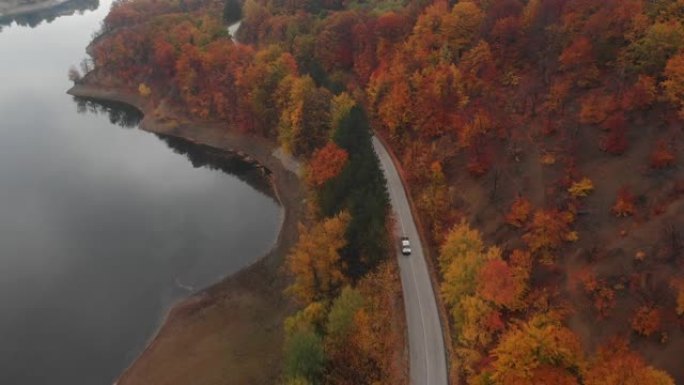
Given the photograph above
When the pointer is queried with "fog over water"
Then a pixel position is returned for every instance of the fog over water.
(102, 226)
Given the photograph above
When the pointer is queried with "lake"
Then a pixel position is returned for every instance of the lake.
(103, 226)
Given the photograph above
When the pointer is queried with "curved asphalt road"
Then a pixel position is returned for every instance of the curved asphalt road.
(427, 356)
(427, 365)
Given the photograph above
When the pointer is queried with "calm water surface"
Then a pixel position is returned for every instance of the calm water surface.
(102, 227)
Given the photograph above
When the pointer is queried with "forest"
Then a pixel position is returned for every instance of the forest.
(540, 140)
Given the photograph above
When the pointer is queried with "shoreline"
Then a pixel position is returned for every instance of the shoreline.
(19, 10)
(261, 279)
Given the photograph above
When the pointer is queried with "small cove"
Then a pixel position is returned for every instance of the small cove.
(103, 226)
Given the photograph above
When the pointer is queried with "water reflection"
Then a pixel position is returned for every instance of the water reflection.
(120, 114)
(200, 156)
(230, 163)
(35, 18)
(101, 228)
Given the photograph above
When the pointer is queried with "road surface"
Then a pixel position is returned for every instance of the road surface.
(427, 356)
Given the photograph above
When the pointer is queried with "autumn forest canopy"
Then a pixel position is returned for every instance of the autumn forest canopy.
(541, 141)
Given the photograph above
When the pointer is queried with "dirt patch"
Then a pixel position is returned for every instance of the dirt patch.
(232, 331)
(229, 334)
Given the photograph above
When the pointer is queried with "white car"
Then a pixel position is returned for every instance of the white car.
(405, 246)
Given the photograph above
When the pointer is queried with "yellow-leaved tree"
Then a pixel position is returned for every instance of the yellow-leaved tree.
(315, 260)
(478, 320)
(460, 278)
(461, 240)
(461, 259)
(340, 106)
(581, 188)
(541, 348)
(305, 115)
(144, 90)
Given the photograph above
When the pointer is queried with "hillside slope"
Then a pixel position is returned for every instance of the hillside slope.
(541, 140)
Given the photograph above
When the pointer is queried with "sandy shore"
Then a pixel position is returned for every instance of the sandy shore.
(232, 331)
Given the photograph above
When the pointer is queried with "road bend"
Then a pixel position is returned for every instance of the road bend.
(427, 356)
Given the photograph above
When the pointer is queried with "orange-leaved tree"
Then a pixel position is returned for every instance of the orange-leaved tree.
(641, 95)
(363, 340)
(662, 156)
(678, 285)
(519, 212)
(615, 141)
(646, 320)
(625, 203)
(326, 163)
(433, 202)
(596, 108)
(615, 364)
(499, 283)
(546, 232)
(674, 83)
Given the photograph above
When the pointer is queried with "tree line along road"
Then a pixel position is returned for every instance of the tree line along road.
(427, 355)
